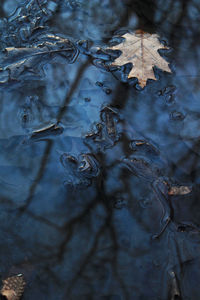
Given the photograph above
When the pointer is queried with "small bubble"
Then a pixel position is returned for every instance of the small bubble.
(120, 203)
(98, 83)
(108, 91)
(25, 118)
(144, 203)
(87, 99)
(169, 99)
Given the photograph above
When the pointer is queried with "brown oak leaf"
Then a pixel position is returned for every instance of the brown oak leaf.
(141, 49)
(13, 287)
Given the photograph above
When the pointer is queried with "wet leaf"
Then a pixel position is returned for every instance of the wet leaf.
(141, 49)
(13, 287)
(80, 170)
(53, 129)
(16, 62)
(179, 190)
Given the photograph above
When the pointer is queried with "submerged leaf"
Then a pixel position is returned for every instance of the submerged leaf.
(141, 49)
(17, 62)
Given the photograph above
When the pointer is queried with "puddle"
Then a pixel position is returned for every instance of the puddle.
(92, 166)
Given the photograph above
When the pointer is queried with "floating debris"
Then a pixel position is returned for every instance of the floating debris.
(105, 89)
(168, 93)
(177, 116)
(13, 287)
(167, 90)
(80, 170)
(88, 165)
(179, 190)
(175, 291)
(142, 168)
(24, 62)
(145, 202)
(108, 116)
(106, 134)
(53, 129)
(160, 188)
(144, 147)
(187, 227)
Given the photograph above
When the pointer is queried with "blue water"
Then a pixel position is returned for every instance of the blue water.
(87, 157)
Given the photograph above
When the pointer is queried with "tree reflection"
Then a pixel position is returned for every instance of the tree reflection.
(94, 240)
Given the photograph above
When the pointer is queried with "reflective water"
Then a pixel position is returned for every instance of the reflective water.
(89, 162)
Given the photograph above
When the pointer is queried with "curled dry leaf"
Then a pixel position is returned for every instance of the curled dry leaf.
(179, 190)
(13, 287)
(141, 49)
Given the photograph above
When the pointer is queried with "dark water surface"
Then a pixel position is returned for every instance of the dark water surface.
(89, 161)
